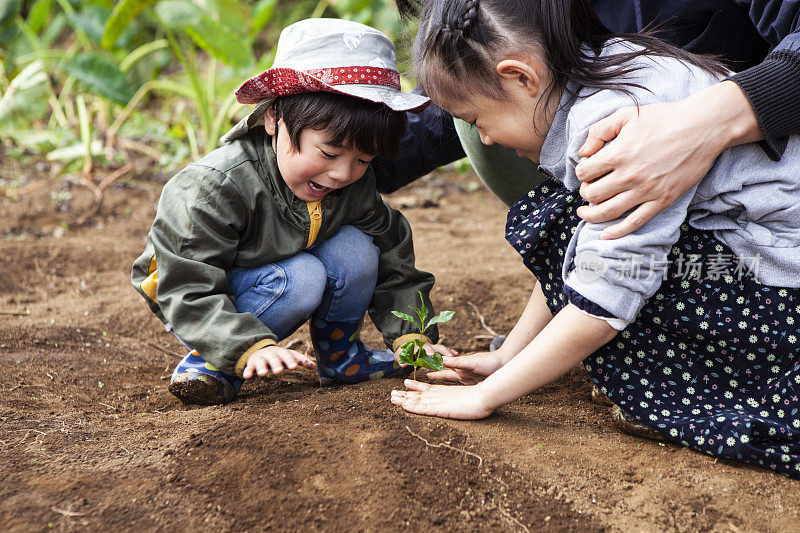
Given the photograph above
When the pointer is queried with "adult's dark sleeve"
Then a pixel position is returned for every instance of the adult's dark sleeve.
(773, 87)
(430, 142)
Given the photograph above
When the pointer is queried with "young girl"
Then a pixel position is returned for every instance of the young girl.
(690, 324)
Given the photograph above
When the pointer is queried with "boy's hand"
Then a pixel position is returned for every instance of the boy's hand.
(275, 359)
(430, 349)
(468, 369)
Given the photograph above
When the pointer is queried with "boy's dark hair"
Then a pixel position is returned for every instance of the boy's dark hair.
(370, 127)
(461, 40)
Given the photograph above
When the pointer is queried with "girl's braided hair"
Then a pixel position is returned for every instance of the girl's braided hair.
(460, 42)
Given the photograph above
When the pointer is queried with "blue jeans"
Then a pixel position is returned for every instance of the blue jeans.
(334, 280)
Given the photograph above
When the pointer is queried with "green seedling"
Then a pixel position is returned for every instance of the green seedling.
(412, 353)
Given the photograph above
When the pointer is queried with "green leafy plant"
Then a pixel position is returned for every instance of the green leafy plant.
(412, 353)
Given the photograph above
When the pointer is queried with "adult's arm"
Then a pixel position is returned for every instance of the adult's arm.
(430, 142)
(661, 151)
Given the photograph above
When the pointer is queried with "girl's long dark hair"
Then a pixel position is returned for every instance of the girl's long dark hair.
(464, 39)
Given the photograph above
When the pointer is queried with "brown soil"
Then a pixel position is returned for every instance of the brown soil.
(91, 438)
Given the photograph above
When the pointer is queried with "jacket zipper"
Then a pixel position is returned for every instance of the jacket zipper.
(315, 216)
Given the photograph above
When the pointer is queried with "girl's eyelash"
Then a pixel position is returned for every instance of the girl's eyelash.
(326, 154)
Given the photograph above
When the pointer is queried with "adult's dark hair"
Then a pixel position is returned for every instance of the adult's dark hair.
(460, 42)
(349, 121)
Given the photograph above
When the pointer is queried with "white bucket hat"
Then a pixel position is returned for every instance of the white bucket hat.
(327, 55)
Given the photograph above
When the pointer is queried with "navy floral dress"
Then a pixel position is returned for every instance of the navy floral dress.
(712, 361)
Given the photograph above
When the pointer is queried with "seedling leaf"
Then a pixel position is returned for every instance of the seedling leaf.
(407, 318)
(434, 361)
(444, 316)
(406, 356)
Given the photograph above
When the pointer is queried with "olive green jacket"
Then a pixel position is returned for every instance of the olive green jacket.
(232, 208)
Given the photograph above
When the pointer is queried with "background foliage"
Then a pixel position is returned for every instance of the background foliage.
(96, 82)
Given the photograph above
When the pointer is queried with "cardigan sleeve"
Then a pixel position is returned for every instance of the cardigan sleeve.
(772, 86)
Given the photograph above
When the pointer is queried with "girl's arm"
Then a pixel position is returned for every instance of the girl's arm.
(471, 369)
(567, 339)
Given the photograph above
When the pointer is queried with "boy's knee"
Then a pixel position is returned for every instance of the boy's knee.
(306, 283)
(356, 254)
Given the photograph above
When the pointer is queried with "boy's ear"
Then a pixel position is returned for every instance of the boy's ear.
(269, 121)
(522, 74)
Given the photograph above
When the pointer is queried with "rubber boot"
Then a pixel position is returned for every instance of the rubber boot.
(196, 382)
(342, 358)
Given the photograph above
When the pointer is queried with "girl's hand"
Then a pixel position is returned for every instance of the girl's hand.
(462, 403)
(277, 359)
(468, 369)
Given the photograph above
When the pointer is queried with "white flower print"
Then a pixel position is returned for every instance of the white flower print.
(703, 325)
(628, 360)
(792, 339)
(670, 353)
(765, 414)
(782, 293)
(653, 417)
(700, 440)
(680, 306)
(751, 356)
(695, 411)
(723, 297)
(744, 438)
(699, 311)
(764, 328)
(752, 402)
(775, 370)
(684, 285)
(686, 376)
(664, 412)
(746, 311)
(689, 390)
(643, 405)
(742, 324)
(728, 395)
(730, 441)
(781, 413)
(667, 371)
(673, 432)
(733, 383)
(686, 401)
(625, 376)
(643, 381)
(740, 300)
(648, 395)
(753, 338)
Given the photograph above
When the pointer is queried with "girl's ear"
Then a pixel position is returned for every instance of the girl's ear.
(520, 74)
(269, 121)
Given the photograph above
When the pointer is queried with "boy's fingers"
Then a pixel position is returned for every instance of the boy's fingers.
(261, 367)
(248, 371)
(275, 364)
(289, 358)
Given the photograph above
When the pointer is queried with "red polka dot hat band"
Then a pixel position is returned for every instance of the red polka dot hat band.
(284, 81)
(332, 55)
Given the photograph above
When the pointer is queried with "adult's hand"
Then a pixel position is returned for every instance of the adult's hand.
(648, 157)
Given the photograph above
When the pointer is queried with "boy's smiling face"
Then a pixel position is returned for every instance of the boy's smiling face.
(316, 167)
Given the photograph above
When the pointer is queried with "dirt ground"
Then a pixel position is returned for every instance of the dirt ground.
(90, 438)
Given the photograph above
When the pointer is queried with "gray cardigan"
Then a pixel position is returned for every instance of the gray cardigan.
(751, 203)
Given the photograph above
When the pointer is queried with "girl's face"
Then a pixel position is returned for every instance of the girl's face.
(317, 167)
(516, 121)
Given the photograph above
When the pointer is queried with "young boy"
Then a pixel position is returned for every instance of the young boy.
(284, 223)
